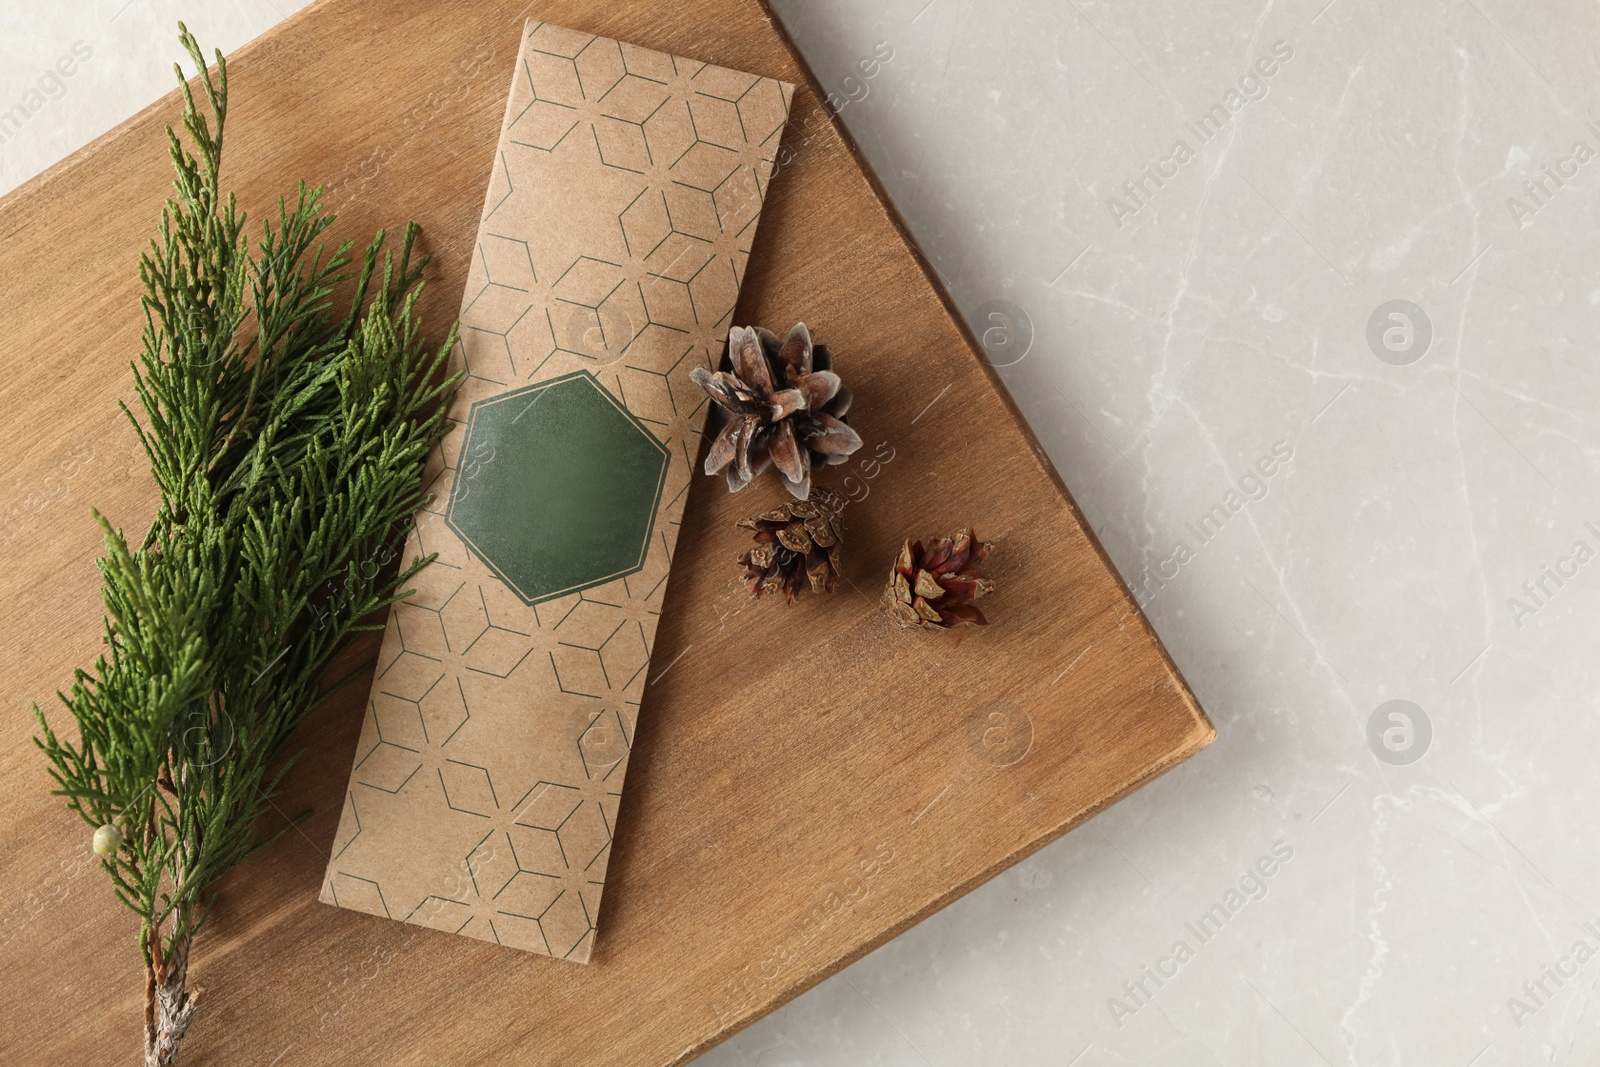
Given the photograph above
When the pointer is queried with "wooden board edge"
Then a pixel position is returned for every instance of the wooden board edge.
(1199, 738)
(975, 350)
(169, 102)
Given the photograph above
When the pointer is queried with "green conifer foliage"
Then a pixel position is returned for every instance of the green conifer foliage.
(288, 444)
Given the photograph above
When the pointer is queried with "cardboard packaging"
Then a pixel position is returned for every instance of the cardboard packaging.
(625, 194)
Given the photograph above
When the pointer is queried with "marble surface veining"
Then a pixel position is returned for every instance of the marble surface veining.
(1302, 298)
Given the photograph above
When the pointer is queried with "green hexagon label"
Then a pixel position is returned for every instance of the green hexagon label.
(557, 487)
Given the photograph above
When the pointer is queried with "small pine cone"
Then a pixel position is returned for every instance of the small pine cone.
(777, 403)
(934, 587)
(796, 543)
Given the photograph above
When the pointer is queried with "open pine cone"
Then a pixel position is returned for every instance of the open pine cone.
(934, 587)
(796, 543)
(779, 404)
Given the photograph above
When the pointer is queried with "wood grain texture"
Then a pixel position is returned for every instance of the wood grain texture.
(807, 782)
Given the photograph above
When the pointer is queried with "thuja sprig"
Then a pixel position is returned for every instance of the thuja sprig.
(288, 446)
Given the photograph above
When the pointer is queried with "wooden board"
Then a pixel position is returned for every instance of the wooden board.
(807, 782)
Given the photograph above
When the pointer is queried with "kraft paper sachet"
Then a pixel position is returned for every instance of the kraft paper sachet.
(625, 193)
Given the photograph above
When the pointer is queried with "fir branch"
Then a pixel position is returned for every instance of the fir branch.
(288, 448)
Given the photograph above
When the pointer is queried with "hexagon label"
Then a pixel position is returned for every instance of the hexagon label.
(557, 487)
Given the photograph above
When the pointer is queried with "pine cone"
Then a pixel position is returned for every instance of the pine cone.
(935, 587)
(777, 403)
(797, 542)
